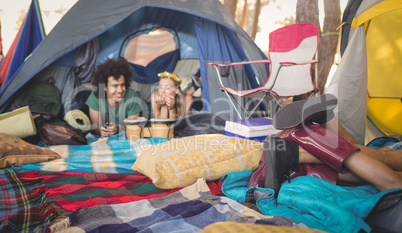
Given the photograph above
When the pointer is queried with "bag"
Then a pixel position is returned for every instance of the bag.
(42, 98)
(85, 61)
(61, 133)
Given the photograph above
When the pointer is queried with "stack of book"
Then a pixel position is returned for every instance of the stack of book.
(254, 129)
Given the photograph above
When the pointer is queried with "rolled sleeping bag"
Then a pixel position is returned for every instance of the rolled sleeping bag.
(78, 120)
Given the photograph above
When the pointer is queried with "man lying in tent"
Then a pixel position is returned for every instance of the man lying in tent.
(312, 135)
(112, 98)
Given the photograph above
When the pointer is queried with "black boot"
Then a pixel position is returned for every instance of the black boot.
(280, 157)
(314, 110)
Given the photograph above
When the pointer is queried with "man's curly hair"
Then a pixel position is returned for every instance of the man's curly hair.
(112, 67)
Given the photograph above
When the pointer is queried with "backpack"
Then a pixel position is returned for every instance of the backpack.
(42, 97)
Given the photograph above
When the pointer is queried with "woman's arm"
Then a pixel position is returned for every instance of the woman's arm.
(156, 105)
(188, 99)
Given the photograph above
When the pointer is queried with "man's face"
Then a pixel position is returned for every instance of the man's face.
(115, 89)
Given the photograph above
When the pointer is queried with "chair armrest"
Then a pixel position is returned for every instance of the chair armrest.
(299, 63)
(240, 63)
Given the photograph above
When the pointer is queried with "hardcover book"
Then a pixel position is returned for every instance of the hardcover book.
(248, 125)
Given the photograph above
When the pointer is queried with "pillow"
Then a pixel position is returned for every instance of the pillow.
(180, 162)
(14, 150)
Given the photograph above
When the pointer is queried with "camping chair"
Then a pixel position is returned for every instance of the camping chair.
(291, 50)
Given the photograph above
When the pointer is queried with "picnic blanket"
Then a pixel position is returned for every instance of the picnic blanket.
(114, 154)
(312, 201)
(74, 191)
(188, 210)
(23, 205)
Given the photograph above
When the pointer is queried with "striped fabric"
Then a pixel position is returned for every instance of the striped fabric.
(115, 154)
(23, 205)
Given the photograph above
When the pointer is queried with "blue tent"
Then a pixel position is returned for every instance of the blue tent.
(203, 29)
(30, 35)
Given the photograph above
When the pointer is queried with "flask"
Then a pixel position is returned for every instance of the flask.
(106, 120)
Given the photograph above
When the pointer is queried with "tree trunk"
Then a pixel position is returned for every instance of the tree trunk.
(244, 16)
(328, 41)
(255, 21)
(231, 6)
(307, 12)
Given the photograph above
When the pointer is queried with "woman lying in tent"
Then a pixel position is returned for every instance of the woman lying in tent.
(112, 98)
(170, 101)
(312, 135)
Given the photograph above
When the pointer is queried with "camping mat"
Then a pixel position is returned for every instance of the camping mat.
(114, 154)
(188, 210)
(23, 205)
(312, 201)
(74, 191)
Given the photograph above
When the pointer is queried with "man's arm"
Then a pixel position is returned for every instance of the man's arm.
(96, 121)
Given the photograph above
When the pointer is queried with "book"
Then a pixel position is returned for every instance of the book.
(256, 133)
(258, 139)
(249, 125)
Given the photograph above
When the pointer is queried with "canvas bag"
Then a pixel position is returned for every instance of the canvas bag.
(42, 98)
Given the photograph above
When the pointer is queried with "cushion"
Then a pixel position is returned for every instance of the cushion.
(180, 162)
(14, 150)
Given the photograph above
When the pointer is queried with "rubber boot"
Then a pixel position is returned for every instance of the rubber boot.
(322, 143)
(321, 171)
(317, 110)
(258, 177)
(280, 157)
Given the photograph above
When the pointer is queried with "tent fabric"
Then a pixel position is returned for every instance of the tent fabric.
(370, 68)
(205, 29)
(28, 37)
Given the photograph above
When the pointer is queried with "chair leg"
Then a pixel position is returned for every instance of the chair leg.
(257, 105)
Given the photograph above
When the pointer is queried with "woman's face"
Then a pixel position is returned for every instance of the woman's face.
(167, 87)
(115, 89)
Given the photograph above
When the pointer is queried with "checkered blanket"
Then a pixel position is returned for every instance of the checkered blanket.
(115, 154)
(188, 210)
(23, 206)
(73, 191)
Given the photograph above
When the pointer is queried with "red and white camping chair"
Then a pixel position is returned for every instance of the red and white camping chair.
(292, 50)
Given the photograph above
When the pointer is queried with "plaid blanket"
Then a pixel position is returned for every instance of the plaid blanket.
(115, 154)
(23, 206)
(74, 191)
(188, 210)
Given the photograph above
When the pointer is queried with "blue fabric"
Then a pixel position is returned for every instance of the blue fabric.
(395, 146)
(114, 154)
(322, 205)
(312, 201)
(382, 142)
(235, 185)
(32, 33)
(149, 73)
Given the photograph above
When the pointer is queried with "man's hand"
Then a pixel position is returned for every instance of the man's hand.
(109, 131)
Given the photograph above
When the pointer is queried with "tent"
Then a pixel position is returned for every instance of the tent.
(28, 37)
(367, 81)
(203, 31)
